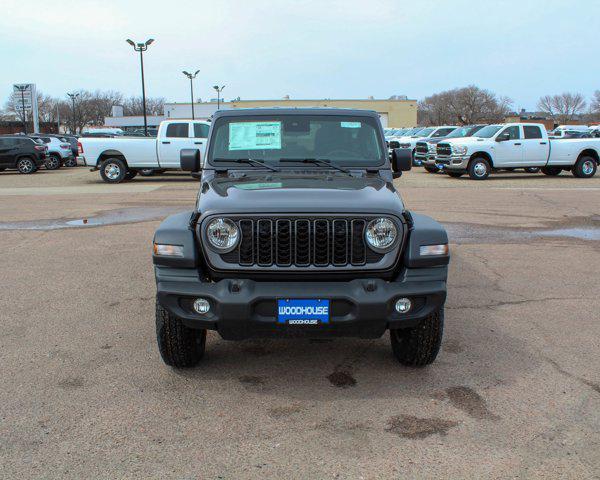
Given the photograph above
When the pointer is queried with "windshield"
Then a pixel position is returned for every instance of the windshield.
(424, 132)
(341, 139)
(488, 132)
(460, 132)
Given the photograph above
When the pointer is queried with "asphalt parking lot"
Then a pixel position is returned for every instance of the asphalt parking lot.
(515, 392)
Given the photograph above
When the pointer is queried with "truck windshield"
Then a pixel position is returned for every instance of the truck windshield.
(462, 132)
(488, 132)
(424, 132)
(342, 140)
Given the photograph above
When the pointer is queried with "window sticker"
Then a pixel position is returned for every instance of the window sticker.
(350, 124)
(258, 186)
(255, 136)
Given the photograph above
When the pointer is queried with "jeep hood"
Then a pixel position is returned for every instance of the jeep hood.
(294, 193)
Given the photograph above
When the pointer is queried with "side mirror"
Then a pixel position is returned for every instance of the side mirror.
(189, 158)
(401, 161)
(503, 137)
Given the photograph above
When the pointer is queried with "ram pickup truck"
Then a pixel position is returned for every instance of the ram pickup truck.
(120, 159)
(425, 149)
(423, 134)
(517, 145)
(299, 231)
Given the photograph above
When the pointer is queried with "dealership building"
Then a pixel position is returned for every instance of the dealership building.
(396, 111)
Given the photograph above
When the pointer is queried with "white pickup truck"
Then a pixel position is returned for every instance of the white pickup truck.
(517, 145)
(120, 159)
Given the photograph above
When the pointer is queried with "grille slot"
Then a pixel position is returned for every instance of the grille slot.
(422, 147)
(302, 242)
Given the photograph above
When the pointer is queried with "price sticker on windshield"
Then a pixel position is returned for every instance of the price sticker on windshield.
(350, 124)
(255, 136)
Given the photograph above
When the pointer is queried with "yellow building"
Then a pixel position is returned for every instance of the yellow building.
(393, 113)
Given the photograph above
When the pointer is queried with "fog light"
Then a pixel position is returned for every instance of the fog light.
(201, 306)
(403, 305)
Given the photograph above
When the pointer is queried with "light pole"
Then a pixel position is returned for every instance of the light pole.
(219, 90)
(142, 47)
(22, 88)
(73, 96)
(191, 77)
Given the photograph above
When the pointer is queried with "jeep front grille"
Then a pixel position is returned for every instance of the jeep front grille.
(302, 242)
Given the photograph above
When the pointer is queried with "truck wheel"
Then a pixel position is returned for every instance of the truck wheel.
(53, 162)
(71, 162)
(179, 346)
(585, 167)
(146, 172)
(113, 170)
(479, 168)
(26, 165)
(431, 169)
(419, 346)
(130, 175)
(532, 169)
(551, 171)
(455, 174)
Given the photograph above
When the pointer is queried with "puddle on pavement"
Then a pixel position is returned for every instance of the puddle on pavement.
(109, 217)
(580, 228)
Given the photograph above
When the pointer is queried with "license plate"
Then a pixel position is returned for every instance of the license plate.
(303, 311)
(440, 166)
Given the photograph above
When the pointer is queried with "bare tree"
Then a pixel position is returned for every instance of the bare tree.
(464, 106)
(563, 107)
(134, 106)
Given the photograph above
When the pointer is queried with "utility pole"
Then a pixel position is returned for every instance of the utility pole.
(142, 47)
(191, 77)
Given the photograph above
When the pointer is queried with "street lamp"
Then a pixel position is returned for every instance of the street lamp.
(219, 90)
(73, 96)
(191, 77)
(142, 47)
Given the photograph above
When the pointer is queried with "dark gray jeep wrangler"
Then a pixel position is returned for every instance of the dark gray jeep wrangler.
(298, 231)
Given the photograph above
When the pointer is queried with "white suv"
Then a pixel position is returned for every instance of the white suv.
(59, 152)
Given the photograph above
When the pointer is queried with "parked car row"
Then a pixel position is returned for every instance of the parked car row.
(27, 153)
(480, 150)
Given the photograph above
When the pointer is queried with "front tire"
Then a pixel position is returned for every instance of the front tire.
(53, 162)
(26, 166)
(419, 346)
(585, 167)
(71, 162)
(113, 170)
(179, 346)
(479, 168)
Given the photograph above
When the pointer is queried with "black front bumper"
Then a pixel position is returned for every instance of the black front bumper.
(243, 308)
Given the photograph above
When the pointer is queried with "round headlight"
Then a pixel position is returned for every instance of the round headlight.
(222, 234)
(381, 234)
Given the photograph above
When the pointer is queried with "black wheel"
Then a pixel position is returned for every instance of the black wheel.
(585, 167)
(113, 170)
(2, 169)
(71, 162)
(53, 162)
(26, 165)
(419, 346)
(455, 174)
(479, 168)
(532, 169)
(146, 172)
(551, 171)
(179, 346)
(430, 169)
(130, 175)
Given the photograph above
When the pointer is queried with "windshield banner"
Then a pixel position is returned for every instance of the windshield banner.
(255, 136)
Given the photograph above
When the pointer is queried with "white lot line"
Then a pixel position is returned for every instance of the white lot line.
(95, 189)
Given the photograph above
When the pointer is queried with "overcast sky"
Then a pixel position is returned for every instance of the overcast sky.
(306, 49)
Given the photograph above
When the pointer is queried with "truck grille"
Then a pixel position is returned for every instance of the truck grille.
(302, 242)
(444, 149)
(422, 148)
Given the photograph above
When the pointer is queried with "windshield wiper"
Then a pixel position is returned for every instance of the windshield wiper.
(249, 161)
(316, 161)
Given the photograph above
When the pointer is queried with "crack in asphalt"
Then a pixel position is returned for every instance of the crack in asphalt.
(593, 385)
